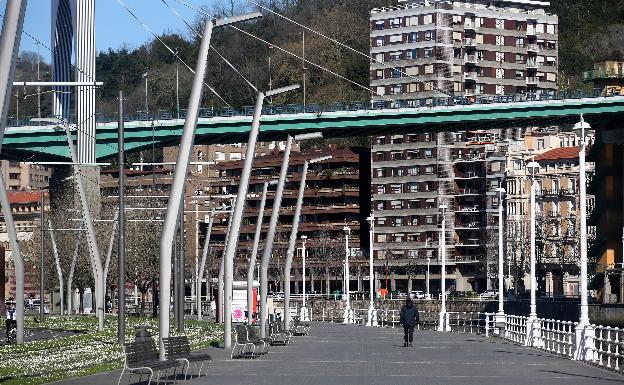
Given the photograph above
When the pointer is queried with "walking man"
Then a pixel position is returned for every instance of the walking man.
(409, 319)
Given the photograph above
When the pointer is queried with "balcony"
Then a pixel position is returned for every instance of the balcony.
(470, 42)
(533, 48)
(467, 191)
(532, 64)
(470, 77)
(531, 30)
(471, 92)
(602, 74)
(470, 25)
(471, 59)
(532, 81)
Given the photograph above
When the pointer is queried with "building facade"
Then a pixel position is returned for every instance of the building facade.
(425, 49)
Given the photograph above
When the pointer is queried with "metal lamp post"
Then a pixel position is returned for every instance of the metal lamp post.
(428, 293)
(144, 76)
(372, 312)
(499, 319)
(347, 310)
(533, 326)
(443, 324)
(303, 313)
(584, 330)
(293, 238)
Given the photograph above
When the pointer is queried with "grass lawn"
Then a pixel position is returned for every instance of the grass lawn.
(79, 355)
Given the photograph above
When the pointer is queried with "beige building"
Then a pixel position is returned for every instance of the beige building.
(557, 210)
(24, 176)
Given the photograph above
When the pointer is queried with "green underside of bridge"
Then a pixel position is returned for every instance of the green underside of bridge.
(50, 144)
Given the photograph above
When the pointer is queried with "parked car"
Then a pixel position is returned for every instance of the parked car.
(417, 294)
(489, 294)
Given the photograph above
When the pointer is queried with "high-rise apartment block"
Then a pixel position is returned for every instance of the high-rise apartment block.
(429, 49)
(425, 49)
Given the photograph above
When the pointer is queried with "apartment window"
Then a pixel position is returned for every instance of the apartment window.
(380, 41)
(413, 221)
(427, 53)
(395, 73)
(428, 153)
(411, 54)
(500, 89)
(551, 28)
(396, 189)
(379, 74)
(399, 172)
(517, 164)
(380, 206)
(236, 156)
(500, 73)
(500, 57)
(395, 39)
(380, 173)
(412, 20)
(500, 40)
(519, 42)
(457, 19)
(427, 137)
(500, 24)
(428, 19)
(412, 37)
(395, 56)
(519, 25)
(398, 238)
(429, 170)
(429, 186)
(396, 205)
(381, 189)
(379, 25)
(540, 144)
(520, 76)
(429, 69)
(411, 88)
(379, 58)
(428, 35)
(396, 89)
(519, 58)
(381, 238)
(395, 23)
(429, 219)
(398, 221)
(413, 170)
(13, 175)
(381, 221)
(219, 155)
(414, 187)
(381, 90)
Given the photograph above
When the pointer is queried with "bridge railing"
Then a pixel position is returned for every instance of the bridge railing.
(164, 115)
(608, 347)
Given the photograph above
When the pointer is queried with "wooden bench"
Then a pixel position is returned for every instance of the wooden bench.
(142, 356)
(179, 349)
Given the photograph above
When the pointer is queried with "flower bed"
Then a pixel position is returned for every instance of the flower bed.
(39, 362)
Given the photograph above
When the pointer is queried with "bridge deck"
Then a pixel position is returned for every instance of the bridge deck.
(347, 354)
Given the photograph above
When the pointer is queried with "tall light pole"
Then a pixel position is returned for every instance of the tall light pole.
(293, 238)
(500, 315)
(177, 83)
(443, 325)
(144, 76)
(347, 311)
(584, 330)
(304, 316)
(533, 326)
(372, 312)
(428, 294)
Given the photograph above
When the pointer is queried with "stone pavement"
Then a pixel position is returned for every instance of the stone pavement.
(349, 354)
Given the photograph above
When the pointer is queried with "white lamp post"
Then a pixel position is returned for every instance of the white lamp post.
(499, 319)
(428, 294)
(372, 312)
(443, 324)
(584, 330)
(303, 314)
(533, 335)
(347, 310)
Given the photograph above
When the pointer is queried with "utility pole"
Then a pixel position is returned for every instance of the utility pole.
(38, 87)
(180, 299)
(177, 83)
(304, 69)
(121, 279)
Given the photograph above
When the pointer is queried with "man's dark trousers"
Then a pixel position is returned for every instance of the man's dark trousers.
(408, 333)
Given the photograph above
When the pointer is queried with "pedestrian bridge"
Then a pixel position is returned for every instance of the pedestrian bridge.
(351, 354)
(48, 143)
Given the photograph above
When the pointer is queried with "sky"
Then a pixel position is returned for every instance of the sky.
(114, 27)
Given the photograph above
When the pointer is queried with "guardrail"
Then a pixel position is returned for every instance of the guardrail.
(166, 115)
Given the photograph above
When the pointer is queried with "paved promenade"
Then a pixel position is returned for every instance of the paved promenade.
(347, 354)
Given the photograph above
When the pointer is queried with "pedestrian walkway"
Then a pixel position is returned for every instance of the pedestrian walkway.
(349, 354)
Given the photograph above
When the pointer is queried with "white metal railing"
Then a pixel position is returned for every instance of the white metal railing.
(608, 347)
(515, 328)
(558, 336)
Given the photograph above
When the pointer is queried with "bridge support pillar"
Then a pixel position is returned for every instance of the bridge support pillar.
(372, 317)
(500, 322)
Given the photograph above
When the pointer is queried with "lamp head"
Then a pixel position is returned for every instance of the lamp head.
(500, 190)
(346, 229)
(443, 207)
(533, 167)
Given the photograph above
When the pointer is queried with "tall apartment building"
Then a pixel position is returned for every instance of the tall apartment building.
(462, 48)
(413, 175)
(332, 200)
(24, 176)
